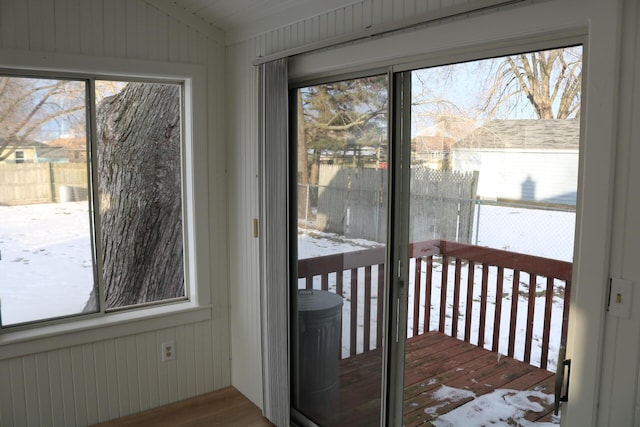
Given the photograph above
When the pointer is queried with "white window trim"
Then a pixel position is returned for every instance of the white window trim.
(81, 329)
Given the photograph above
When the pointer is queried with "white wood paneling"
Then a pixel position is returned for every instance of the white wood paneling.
(358, 20)
(242, 107)
(122, 373)
(95, 382)
(116, 28)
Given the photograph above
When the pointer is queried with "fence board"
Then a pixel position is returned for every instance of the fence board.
(515, 290)
(531, 304)
(27, 183)
(469, 305)
(353, 202)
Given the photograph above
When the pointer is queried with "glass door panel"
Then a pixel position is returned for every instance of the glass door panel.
(494, 168)
(337, 329)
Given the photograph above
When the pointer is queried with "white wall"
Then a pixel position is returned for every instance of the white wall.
(616, 387)
(98, 376)
(620, 397)
(242, 208)
(548, 176)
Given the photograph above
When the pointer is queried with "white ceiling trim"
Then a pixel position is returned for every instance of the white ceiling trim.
(278, 18)
(389, 27)
(170, 8)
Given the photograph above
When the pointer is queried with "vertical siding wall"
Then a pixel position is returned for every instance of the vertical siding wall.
(84, 384)
(242, 208)
(98, 381)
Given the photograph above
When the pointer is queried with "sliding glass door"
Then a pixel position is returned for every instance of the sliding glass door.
(337, 296)
(492, 180)
(433, 267)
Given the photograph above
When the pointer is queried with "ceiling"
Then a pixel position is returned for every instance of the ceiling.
(248, 17)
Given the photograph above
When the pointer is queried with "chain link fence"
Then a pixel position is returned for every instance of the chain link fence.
(531, 228)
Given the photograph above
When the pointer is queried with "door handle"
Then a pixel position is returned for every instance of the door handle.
(561, 384)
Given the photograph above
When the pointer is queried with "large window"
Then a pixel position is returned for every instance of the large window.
(91, 217)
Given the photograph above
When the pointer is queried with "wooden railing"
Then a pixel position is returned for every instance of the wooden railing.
(458, 296)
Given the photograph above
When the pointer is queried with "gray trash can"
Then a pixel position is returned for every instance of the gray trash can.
(65, 194)
(319, 338)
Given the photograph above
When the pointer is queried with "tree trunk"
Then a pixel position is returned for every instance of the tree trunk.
(139, 173)
(303, 167)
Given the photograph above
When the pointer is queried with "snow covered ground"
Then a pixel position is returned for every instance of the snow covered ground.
(45, 272)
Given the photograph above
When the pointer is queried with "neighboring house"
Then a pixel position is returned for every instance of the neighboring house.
(75, 148)
(537, 159)
(431, 151)
(29, 151)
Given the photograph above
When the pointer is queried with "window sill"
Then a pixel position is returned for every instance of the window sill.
(92, 329)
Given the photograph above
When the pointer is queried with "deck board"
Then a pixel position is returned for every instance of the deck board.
(432, 360)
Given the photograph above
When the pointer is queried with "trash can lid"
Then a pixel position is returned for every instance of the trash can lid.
(314, 300)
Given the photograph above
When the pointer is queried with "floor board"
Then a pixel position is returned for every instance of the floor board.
(223, 408)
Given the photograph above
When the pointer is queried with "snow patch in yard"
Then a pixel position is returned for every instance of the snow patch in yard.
(45, 271)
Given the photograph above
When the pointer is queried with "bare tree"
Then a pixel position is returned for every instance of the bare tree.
(550, 81)
(29, 105)
(451, 100)
(26, 104)
(433, 109)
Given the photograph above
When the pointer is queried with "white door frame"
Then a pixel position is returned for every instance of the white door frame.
(535, 26)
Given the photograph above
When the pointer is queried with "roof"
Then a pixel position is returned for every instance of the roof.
(15, 143)
(69, 143)
(530, 134)
(43, 150)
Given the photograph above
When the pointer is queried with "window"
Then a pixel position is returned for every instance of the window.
(19, 156)
(94, 223)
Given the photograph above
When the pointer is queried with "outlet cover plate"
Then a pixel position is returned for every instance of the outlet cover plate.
(168, 351)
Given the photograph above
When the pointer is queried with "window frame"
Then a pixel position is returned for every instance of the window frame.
(196, 306)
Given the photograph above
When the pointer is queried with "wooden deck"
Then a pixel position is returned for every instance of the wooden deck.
(433, 360)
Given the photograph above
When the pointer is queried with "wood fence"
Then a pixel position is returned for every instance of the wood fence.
(28, 183)
(352, 202)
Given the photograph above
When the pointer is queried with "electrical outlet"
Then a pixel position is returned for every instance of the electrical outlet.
(168, 350)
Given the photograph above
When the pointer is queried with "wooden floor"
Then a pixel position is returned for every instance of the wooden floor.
(432, 360)
(223, 408)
